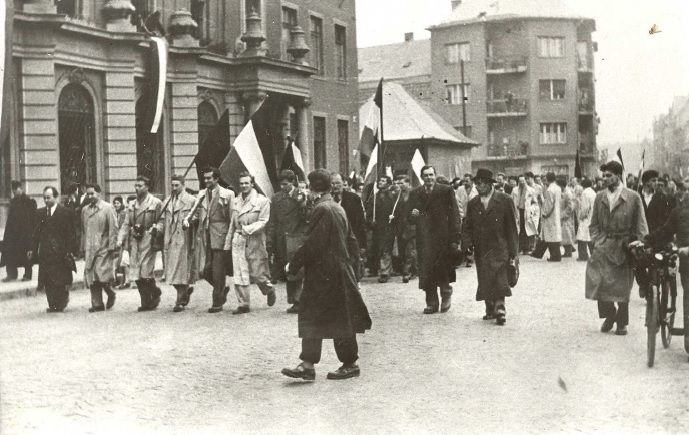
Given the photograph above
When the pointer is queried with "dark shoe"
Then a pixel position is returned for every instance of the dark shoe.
(215, 310)
(271, 297)
(96, 309)
(294, 309)
(500, 316)
(489, 317)
(300, 372)
(607, 324)
(187, 298)
(430, 310)
(111, 299)
(345, 372)
(383, 279)
(124, 286)
(241, 310)
(621, 330)
(554, 261)
(405, 278)
(142, 309)
(446, 304)
(50, 310)
(178, 309)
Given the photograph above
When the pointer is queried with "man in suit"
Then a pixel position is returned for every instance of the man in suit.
(490, 232)
(286, 229)
(434, 210)
(18, 231)
(177, 245)
(354, 209)
(54, 245)
(138, 229)
(99, 245)
(213, 209)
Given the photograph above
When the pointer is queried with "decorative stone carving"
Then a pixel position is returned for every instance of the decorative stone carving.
(253, 37)
(182, 29)
(118, 14)
(297, 47)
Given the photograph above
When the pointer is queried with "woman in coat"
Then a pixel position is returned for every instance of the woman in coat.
(250, 214)
(331, 306)
(584, 211)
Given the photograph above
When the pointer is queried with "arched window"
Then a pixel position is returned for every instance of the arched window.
(207, 118)
(150, 151)
(76, 126)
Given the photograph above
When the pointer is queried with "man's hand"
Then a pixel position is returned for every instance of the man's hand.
(415, 213)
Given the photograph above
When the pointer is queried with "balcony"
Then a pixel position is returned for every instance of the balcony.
(585, 64)
(586, 105)
(506, 65)
(507, 151)
(507, 107)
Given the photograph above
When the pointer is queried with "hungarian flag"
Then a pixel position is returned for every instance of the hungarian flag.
(417, 163)
(577, 166)
(252, 151)
(215, 148)
(292, 160)
(158, 78)
(369, 134)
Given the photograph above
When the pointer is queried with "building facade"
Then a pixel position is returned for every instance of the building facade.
(669, 151)
(517, 77)
(82, 82)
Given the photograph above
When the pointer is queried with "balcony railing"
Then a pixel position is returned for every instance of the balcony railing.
(508, 151)
(505, 64)
(584, 63)
(507, 107)
(586, 105)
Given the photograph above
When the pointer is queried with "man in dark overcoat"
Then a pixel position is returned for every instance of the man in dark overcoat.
(490, 232)
(18, 232)
(435, 212)
(354, 209)
(331, 305)
(54, 245)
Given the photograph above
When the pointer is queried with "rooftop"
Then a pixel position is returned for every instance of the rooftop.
(406, 119)
(496, 10)
(395, 61)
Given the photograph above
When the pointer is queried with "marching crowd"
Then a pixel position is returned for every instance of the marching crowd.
(321, 238)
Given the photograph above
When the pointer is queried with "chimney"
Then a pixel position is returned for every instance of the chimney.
(409, 36)
(455, 4)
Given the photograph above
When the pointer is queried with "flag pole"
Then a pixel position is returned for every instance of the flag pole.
(381, 152)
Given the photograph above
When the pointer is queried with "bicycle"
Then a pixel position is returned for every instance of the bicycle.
(658, 270)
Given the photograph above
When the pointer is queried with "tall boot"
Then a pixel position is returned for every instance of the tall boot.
(144, 293)
(568, 251)
(154, 294)
(96, 298)
(111, 296)
(432, 302)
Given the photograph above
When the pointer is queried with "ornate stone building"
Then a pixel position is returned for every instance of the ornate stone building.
(82, 74)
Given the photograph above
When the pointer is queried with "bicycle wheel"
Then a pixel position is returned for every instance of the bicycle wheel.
(667, 312)
(652, 324)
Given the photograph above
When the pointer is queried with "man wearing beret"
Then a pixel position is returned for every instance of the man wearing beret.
(617, 220)
(490, 231)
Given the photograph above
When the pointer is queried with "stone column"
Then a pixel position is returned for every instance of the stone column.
(304, 139)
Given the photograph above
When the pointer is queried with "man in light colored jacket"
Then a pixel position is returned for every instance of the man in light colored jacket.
(584, 211)
(551, 229)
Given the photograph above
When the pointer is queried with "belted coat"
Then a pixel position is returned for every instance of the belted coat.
(176, 241)
(551, 228)
(249, 255)
(142, 257)
(584, 212)
(609, 271)
(567, 205)
(210, 224)
(99, 242)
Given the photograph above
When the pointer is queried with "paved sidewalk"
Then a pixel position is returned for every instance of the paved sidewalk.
(23, 289)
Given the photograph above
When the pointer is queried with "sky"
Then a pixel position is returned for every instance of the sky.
(637, 74)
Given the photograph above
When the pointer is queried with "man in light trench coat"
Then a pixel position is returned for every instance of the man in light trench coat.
(250, 214)
(99, 245)
(551, 228)
(177, 242)
(617, 220)
(138, 229)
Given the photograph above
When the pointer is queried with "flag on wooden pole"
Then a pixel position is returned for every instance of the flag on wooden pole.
(292, 160)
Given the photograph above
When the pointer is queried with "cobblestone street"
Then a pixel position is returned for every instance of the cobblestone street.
(193, 372)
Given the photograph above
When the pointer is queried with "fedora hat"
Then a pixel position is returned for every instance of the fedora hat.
(484, 174)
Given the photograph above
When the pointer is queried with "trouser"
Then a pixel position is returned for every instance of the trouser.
(432, 299)
(585, 249)
(97, 289)
(13, 273)
(149, 292)
(347, 350)
(407, 251)
(294, 289)
(243, 292)
(552, 247)
(383, 241)
(182, 294)
(215, 260)
(606, 310)
(524, 242)
(57, 295)
(568, 250)
(493, 305)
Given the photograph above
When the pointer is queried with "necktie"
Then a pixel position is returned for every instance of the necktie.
(337, 198)
(48, 211)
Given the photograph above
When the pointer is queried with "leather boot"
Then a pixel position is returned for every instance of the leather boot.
(144, 293)
(111, 297)
(154, 294)
(96, 298)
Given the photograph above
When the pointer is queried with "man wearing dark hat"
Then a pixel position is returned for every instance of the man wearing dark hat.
(434, 210)
(617, 220)
(490, 232)
(18, 232)
(331, 306)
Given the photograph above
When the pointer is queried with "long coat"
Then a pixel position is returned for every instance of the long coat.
(551, 229)
(609, 271)
(584, 213)
(53, 242)
(249, 255)
(531, 209)
(99, 242)
(657, 210)
(142, 257)
(567, 216)
(287, 223)
(330, 305)
(436, 228)
(493, 235)
(18, 231)
(177, 241)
